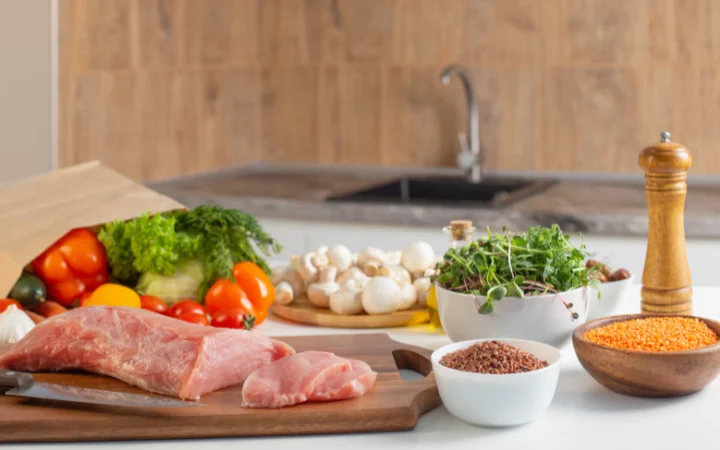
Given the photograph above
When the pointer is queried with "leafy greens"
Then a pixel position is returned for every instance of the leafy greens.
(539, 261)
(160, 243)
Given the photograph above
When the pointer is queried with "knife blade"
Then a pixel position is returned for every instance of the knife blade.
(23, 384)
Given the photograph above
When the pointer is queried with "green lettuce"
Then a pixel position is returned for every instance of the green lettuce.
(158, 244)
(182, 284)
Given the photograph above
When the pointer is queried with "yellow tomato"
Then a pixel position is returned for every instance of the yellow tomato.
(114, 295)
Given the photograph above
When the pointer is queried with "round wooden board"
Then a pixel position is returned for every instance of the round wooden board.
(302, 311)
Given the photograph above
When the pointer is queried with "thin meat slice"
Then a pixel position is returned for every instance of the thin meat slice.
(291, 380)
(352, 383)
(154, 352)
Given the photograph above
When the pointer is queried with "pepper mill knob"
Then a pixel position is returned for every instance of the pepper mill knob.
(666, 282)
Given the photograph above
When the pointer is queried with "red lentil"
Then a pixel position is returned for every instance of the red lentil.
(654, 334)
(492, 357)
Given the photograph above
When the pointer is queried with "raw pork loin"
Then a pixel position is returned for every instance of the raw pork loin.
(346, 385)
(312, 375)
(157, 353)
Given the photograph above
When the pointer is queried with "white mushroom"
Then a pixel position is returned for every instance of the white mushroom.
(279, 273)
(284, 294)
(353, 273)
(409, 296)
(381, 295)
(289, 275)
(306, 268)
(394, 258)
(418, 257)
(347, 301)
(397, 273)
(319, 293)
(422, 285)
(371, 260)
(320, 257)
(339, 256)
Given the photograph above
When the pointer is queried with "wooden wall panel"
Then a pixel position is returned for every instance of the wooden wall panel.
(162, 88)
(505, 32)
(158, 38)
(289, 114)
(591, 33)
(349, 115)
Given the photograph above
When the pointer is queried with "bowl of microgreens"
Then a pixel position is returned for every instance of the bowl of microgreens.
(532, 285)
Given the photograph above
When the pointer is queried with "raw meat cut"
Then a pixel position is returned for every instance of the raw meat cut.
(154, 352)
(291, 380)
(352, 383)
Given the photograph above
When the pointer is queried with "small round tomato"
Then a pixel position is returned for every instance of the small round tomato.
(256, 284)
(152, 303)
(225, 294)
(186, 306)
(5, 302)
(200, 319)
(233, 318)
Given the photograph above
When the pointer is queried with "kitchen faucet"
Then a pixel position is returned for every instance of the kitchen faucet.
(470, 158)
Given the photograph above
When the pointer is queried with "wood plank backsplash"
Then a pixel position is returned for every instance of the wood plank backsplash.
(162, 88)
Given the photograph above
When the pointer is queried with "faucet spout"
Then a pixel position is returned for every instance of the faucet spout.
(470, 158)
(473, 117)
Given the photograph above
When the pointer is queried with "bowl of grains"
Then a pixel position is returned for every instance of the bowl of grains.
(496, 382)
(650, 355)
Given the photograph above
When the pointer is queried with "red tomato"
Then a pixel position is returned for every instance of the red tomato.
(200, 319)
(152, 303)
(5, 302)
(233, 318)
(256, 284)
(224, 294)
(186, 306)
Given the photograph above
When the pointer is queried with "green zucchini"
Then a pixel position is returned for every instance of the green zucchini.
(29, 291)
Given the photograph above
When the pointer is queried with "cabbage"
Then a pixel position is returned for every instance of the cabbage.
(181, 285)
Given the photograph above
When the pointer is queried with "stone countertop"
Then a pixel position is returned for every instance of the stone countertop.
(593, 206)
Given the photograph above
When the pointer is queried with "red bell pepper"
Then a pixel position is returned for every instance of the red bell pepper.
(74, 265)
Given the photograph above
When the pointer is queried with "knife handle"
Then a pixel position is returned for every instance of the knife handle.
(13, 378)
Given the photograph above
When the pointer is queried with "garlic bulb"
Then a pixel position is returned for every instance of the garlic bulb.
(14, 325)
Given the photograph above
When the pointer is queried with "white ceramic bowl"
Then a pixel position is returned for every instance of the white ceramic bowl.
(612, 295)
(502, 400)
(542, 318)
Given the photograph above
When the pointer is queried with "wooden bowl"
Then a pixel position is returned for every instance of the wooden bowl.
(647, 374)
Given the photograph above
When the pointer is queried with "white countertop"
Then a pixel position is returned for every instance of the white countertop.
(583, 414)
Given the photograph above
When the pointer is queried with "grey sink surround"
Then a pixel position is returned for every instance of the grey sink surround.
(612, 205)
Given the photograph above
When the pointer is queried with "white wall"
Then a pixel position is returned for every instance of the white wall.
(625, 252)
(26, 104)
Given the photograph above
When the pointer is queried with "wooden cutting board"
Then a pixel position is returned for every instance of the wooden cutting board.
(392, 405)
(302, 311)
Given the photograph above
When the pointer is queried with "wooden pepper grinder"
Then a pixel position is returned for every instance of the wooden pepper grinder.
(667, 287)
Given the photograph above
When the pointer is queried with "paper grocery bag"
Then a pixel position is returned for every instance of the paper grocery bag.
(36, 212)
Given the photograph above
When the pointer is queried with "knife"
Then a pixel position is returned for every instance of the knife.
(23, 384)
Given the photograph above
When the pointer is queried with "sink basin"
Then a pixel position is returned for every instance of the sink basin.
(491, 192)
